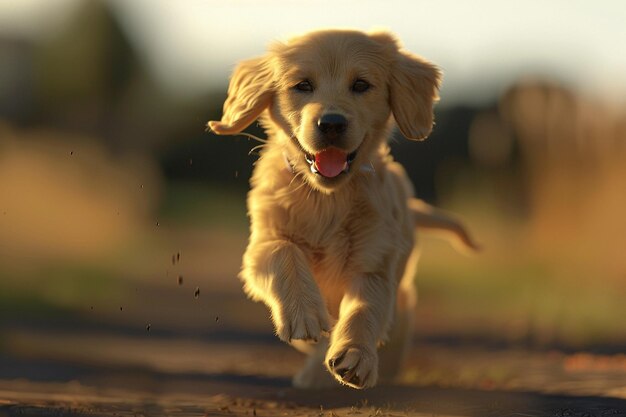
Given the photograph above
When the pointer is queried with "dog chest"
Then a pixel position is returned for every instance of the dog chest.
(342, 240)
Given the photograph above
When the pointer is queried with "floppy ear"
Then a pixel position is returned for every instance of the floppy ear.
(414, 88)
(249, 93)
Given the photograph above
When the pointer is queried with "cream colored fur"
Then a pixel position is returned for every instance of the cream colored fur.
(334, 259)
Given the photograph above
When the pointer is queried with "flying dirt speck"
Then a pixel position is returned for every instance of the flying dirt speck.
(148, 327)
(196, 293)
(180, 280)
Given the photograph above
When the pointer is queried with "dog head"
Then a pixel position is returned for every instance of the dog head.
(332, 93)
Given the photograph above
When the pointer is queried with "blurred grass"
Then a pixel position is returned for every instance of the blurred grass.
(58, 289)
(18, 302)
(520, 302)
(509, 293)
(517, 289)
(89, 217)
(204, 205)
(207, 223)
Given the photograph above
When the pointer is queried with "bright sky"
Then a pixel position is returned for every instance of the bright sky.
(481, 45)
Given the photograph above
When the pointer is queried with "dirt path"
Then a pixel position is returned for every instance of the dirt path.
(112, 373)
(216, 355)
(261, 400)
(267, 397)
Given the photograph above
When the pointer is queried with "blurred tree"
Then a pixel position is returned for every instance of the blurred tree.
(83, 71)
(448, 141)
(16, 75)
(89, 78)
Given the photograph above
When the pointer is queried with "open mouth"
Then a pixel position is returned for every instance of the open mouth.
(330, 162)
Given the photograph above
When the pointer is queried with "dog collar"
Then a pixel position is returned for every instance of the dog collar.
(288, 163)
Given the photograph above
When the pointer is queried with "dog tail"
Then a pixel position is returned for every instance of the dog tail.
(431, 218)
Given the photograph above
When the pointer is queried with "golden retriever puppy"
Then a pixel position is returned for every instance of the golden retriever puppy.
(332, 248)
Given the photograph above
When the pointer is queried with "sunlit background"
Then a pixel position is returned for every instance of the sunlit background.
(119, 213)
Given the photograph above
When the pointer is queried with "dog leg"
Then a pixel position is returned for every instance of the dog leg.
(365, 315)
(277, 273)
(313, 374)
(394, 352)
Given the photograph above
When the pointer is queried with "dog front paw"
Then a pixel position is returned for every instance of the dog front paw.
(355, 366)
(304, 320)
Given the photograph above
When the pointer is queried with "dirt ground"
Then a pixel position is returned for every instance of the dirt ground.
(139, 359)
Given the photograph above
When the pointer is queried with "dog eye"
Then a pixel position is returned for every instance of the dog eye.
(360, 86)
(304, 86)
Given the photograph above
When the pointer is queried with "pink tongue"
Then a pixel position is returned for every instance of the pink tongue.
(330, 162)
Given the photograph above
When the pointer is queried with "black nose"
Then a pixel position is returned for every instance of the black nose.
(332, 124)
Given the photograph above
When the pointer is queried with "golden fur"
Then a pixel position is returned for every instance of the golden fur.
(334, 258)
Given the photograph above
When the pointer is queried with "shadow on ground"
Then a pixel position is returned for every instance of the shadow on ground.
(219, 357)
(109, 373)
(229, 394)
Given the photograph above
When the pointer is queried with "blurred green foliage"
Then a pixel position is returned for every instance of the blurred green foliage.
(90, 80)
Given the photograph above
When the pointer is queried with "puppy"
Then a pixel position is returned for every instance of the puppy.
(332, 244)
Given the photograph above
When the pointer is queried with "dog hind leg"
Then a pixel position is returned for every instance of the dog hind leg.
(393, 353)
(313, 374)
